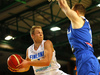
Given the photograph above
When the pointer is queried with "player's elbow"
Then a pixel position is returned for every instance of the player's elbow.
(47, 63)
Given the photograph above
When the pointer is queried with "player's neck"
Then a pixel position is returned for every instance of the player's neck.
(36, 45)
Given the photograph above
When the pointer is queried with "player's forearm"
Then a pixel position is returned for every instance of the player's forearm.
(39, 63)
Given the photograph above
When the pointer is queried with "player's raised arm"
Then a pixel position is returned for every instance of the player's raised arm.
(72, 14)
(66, 9)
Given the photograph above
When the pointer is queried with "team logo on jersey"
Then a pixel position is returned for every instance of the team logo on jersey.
(38, 55)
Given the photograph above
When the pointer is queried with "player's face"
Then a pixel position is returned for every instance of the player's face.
(38, 35)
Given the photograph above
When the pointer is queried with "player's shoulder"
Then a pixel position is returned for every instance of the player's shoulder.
(30, 46)
(48, 41)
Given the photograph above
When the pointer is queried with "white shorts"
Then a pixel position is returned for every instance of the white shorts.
(53, 72)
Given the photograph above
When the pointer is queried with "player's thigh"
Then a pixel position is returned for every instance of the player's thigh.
(90, 67)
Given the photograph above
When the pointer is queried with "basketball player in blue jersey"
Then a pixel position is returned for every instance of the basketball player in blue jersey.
(40, 55)
(80, 38)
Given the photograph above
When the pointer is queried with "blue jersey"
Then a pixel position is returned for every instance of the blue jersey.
(80, 39)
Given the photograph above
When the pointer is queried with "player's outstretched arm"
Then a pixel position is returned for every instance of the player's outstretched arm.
(72, 15)
(63, 5)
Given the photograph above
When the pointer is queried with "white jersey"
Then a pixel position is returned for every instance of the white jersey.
(38, 55)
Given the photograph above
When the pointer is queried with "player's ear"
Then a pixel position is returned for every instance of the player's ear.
(77, 12)
(32, 36)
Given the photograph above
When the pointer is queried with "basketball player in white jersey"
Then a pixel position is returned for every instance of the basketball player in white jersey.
(40, 55)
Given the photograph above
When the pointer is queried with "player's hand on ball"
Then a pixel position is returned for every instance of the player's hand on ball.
(24, 64)
(12, 70)
(13, 61)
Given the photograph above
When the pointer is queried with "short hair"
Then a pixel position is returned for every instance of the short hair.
(33, 29)
(80, 8)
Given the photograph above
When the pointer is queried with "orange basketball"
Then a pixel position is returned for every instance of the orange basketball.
(13, 61)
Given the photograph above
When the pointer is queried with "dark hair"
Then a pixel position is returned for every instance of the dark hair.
(80, 8)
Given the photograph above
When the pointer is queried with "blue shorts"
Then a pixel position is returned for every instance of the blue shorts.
(87, 63)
